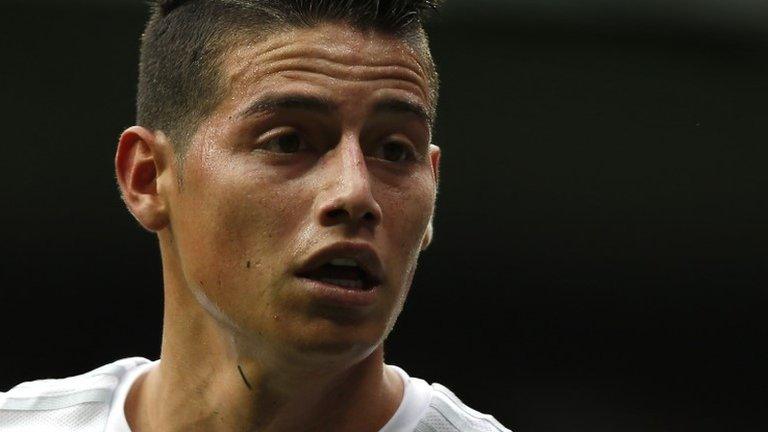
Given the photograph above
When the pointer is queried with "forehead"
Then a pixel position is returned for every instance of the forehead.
(330, 56)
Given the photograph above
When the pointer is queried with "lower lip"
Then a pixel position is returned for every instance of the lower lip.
(340, 295)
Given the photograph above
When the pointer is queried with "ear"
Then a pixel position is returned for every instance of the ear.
(427, 239)
(434, 158)
(142, 157)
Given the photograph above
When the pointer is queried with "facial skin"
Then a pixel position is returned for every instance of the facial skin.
(318, 142)
(273, 187)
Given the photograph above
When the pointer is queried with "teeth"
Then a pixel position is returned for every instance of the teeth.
(346, 283)
(346, 262)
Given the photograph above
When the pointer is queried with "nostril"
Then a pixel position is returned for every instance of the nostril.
(336, 213)
(341, 215)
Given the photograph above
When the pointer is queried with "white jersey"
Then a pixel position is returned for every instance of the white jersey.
(94, 402)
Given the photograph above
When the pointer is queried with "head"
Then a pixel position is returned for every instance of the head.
(185, 42)
(275, 139)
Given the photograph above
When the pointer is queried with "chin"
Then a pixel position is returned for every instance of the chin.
(329, 342)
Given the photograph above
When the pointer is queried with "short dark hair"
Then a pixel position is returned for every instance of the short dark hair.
(184, 41)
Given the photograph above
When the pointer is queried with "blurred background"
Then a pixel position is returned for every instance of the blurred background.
(600, 261)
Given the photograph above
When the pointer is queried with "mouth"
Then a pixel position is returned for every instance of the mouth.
(341, 272)
(348, 266)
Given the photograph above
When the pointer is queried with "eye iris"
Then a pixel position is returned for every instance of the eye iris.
(289, 143)
(393, 152)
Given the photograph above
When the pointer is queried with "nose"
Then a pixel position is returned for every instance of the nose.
(347, 198)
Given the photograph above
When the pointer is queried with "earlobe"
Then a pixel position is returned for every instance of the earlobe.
(140, 161)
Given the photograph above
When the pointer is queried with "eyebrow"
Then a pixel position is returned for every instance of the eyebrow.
(400, 106)
(271, 103)
(289, 102)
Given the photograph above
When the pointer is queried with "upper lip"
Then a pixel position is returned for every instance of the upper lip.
(364, 254)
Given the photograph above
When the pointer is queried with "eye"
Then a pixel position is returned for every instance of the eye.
(394, 151)
(290, 142)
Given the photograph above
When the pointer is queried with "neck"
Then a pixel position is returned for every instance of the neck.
(207, 381)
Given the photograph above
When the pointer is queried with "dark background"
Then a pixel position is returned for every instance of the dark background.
(600, 256)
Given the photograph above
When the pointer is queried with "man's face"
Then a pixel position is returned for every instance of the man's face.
(318, 158)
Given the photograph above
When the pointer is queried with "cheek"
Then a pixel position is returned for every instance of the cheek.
(407, 212)
(233, 236)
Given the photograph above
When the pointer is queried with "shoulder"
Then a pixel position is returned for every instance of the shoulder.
(433, 408)
(447, 413)
(75, 403)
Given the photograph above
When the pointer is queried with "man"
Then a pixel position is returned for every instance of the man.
(283, 157)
